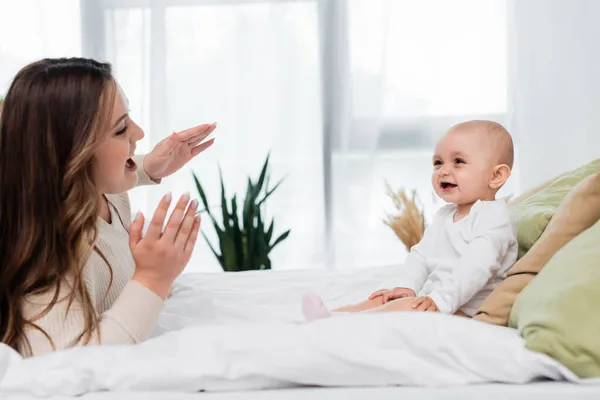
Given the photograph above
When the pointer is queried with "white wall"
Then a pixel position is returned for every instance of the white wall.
(555, 85)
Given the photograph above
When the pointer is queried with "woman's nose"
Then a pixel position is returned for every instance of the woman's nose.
(138, 134)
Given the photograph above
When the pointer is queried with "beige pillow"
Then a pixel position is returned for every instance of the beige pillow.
(576, 213)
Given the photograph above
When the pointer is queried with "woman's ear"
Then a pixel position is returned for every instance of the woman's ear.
(499, 176)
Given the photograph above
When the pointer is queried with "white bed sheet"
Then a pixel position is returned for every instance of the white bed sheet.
(227, 332)
(530, 391)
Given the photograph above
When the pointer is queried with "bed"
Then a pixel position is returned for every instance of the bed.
(530, 391)
(241, 336)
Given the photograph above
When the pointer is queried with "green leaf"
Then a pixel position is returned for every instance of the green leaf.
(262, 247)
(267, 182)
(205, 201)
(217, 255)
(249, 203)
(200, 191)
(228, 252)
(281, 238)
(244, 240)
(270, 231)
(267, 264)
(237, 233)
(224, 211)
(251, 246)
(263, 174)
(269, 192)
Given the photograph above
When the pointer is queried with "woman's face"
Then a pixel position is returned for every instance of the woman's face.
(114, 170)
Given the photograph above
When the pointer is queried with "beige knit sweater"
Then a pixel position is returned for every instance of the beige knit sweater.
(127, 310)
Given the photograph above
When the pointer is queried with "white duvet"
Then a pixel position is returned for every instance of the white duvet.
(243, 331)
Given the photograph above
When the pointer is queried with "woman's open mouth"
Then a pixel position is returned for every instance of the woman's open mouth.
(130, 165)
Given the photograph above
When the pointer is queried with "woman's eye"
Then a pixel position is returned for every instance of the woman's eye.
(122, 131)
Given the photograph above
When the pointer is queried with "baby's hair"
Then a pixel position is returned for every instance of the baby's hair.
(501, 139)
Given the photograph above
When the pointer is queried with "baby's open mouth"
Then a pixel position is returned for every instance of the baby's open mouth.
(448, 185)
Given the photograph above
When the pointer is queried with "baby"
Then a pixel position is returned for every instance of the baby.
(469, 246)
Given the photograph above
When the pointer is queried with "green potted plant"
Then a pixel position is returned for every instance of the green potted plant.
(245, 241)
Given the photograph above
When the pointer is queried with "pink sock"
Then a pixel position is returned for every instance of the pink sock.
(313, 307)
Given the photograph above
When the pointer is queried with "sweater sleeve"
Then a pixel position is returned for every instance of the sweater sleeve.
(416, 268)
(130, 320)
(492, 236)
(143, 178)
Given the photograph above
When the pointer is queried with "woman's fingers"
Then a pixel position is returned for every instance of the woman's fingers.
(175, 219)
(185, 228)
(158, 219)
(199, 132)
(199, 149)
(191, 242)
(135, 230)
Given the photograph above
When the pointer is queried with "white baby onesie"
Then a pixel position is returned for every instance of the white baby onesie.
(458, 264)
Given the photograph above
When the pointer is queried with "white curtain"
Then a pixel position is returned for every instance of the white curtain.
(345, 94)
(555, 85)
(32, 29)
(416, 68)
(252, 67)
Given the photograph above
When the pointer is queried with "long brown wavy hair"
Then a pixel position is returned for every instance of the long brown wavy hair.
(55, 114)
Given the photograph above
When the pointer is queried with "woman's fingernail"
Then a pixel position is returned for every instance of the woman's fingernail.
(194, 203)
(186, 196)
(168, 196)
(138, 216)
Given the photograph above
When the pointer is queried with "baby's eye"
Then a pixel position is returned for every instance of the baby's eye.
(437, 163)
(459, 161)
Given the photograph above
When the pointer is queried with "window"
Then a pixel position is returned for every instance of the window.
(344, 94)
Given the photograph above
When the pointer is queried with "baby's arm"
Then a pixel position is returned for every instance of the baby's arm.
(492, 237)
(416, 269)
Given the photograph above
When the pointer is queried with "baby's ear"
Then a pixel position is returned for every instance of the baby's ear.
(499, 176)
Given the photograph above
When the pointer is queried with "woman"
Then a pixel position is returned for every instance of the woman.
(74, 269)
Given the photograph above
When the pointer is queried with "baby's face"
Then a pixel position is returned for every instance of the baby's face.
(462, 167)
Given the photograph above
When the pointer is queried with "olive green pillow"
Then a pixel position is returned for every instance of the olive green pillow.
(532, 214)
(579, 210)
(557, 313)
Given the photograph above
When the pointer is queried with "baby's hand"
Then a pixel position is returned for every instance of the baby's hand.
(424, 303)
(393, 294)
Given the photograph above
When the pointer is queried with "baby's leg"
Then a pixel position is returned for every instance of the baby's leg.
(314, 308)
(363, 306)
(402, 304)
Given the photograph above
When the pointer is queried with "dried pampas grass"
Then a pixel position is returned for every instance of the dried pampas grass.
(409, 223)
